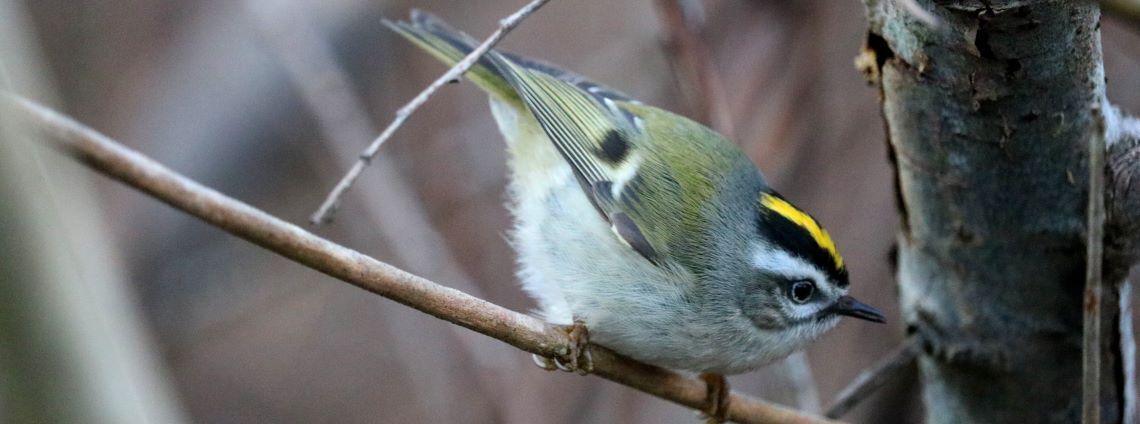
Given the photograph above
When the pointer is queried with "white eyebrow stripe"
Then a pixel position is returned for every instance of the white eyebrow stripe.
(782, 263)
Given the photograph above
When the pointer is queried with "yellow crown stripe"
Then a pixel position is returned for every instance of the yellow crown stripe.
(805, 221)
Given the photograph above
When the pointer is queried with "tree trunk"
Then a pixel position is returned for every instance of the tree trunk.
(989, 107)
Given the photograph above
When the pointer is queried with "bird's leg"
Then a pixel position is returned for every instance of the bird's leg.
(578, 359)
(716, 399)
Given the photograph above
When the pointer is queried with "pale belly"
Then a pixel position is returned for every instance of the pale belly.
(574, 266)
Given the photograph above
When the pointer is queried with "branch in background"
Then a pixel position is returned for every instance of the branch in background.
(702, 85)
(524, 332)
(1096, 305)
(73, 346)
(698, 76)
(505, 26)
(871, 379)
(801, 381)
(325, 89)
(393, 208)
(1124, 9)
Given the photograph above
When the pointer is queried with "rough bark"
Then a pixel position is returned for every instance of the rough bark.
(988, 111)
(1123, 186)
(1122, 231)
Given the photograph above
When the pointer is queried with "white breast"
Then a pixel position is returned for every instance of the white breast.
(576, 268)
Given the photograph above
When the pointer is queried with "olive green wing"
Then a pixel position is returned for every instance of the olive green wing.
(600, 132)
(600, 140)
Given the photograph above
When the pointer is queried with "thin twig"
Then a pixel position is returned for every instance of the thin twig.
(505, 26)
(392, 207)
(521, 331)
(702, 84)
(1096, 338)
(324, 87)
(699, 76)
(871, 379)
(801, 382)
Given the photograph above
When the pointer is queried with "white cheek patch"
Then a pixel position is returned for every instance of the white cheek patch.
(775, 261)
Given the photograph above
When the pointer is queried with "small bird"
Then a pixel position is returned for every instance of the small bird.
(649, 229)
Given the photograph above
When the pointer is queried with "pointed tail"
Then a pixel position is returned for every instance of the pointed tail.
(450, 46)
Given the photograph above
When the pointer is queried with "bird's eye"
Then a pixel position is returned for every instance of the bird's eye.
(801, 291)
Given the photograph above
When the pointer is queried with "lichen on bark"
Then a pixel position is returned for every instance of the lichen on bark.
(988, 113)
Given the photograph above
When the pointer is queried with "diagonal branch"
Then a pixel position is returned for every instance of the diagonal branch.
(874, 377)
(700, 79)
(1096, 338)
(392, 207)
(524, 332)
(505, 26)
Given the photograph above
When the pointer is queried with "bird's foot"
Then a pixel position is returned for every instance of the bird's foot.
(578, 359)
(544, 362)
(716, 399)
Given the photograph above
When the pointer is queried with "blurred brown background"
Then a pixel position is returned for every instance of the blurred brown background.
(214, 89)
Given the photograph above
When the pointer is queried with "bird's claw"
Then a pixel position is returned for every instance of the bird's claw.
(578, 359)
(544, 362)
(716, 399)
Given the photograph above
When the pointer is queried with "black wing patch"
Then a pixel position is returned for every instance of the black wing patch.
(628, 231)
(621, 224)
(614, 147)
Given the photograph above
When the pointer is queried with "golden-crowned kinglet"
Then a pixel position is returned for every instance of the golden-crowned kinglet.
(651, 229)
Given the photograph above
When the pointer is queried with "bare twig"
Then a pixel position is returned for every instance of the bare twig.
(524, 332)
(1094, 306)
(325, 89)
(505, 26)
(699, 77)
(392, 207)
(871, 379)
(701, 83)
(801, 382)
(72, 332)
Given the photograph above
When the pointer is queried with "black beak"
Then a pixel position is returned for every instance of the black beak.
(847, 305)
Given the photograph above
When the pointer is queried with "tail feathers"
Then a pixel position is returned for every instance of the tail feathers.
(450, 46)
(493, 71)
